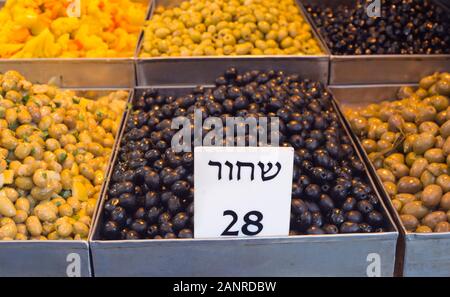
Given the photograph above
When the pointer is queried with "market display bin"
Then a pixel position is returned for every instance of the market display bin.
(377, 69)
(77, 72)
(190, 71)
(56, 258)
(424, 254)
(325, 255)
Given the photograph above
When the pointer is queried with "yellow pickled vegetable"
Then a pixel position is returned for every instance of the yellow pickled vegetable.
(43, 28)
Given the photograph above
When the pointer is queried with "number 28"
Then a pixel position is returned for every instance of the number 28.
(248, 222)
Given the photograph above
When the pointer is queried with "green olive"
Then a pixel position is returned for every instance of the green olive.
(432, 219)
(408, 144)
(426, 82)
(431, 196)
(405, 198)
(391, 188)
(445, 129)
(441, 117)
(425, 113)
(399, 170)
(442, 227)
(438, 169)
(434, 155)
(443, 87)
(386, 175)
(424, 142)
(408, 184)
(397, 205)
(405, 92)
(444, 182)
(445, 202)
(410, 222)
(427, 178)
(410, 128)
(370, 145)
(424, 229)
(415, 208)
(395, 123)
(430, 127)
(439, 102)
(383, 145)
(418, 167)
(410, 158)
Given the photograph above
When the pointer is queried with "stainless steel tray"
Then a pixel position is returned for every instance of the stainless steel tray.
(419, 254)
(379, 69)
(192, 71)
(329, 255)
(54, 257)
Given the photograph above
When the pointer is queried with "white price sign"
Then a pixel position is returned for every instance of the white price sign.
(242, 191)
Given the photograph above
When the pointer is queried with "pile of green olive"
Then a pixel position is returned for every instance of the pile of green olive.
(54, 150)
(229, 27)
(408, 142)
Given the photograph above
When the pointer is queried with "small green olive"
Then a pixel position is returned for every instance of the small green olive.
(408, 184)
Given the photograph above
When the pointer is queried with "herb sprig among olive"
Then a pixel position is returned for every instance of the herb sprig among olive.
(54, 150)
(408, 142)
(151, 192)
(403, 27)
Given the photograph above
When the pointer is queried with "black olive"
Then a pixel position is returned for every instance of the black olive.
(303, 220)
(331, 229)
(151, 199)
(139, 225)
(119, 215)
(132, 235)
(127, 201)
(152, 180)
(153, 214)
(315, 230)
(180, 220)
(336, 217)
(298, 206)
(354, 216)
(365, 228)
(111, 230)
(180, 188)
(185, 233)
(375, 218)
(364, 206)
(166, 227)
(326, 203)
(152, 231)
(139, 213)
(312, 191)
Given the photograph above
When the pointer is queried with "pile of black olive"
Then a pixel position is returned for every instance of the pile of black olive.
(151, 192)
(404, 27)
